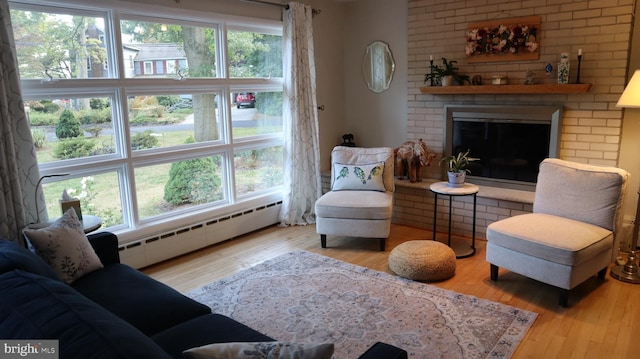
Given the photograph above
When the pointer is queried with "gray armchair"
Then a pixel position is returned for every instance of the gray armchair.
(571, 234)
(360, 202)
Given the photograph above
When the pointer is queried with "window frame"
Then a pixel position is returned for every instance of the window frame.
(115, 84)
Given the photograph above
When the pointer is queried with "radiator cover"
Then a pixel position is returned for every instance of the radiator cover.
(163, 246)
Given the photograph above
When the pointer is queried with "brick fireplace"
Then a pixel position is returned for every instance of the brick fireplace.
(590, 127)
(508, 141)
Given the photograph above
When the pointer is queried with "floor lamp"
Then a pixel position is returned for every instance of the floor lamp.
(629, 271)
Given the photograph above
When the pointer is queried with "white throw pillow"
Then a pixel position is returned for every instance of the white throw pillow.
(259, 350)
(65, 247)
(361, 177)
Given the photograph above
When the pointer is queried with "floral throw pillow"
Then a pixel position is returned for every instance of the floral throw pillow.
(260, 350)
(65, 247)
(361, 177)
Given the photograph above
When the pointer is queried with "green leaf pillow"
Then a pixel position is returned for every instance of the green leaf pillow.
(360, 177)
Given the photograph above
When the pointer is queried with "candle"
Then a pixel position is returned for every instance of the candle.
(579, 52)
(431, 57)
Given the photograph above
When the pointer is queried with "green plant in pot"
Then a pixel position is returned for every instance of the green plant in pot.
(446, 75)
(457, 167)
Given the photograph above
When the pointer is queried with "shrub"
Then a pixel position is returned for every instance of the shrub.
(73, 148)
(103, 149)
(167, 101)
(42, 119)
(269, 103)
(44, 106)
(192, 181)
(68, 126)
(39, 137)
(142, 119)
(99, 103)
(94, 116)
(94, 130)
(143, 140)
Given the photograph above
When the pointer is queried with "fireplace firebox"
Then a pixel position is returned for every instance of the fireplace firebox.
(509, 141)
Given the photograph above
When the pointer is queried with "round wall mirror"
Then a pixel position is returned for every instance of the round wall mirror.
(378, 66)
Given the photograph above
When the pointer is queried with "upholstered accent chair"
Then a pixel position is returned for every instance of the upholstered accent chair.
(571, 233)
(360, 202)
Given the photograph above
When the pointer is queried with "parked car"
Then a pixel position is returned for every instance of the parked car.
(245, 99)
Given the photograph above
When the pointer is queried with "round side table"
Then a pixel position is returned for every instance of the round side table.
(442, 188)
(90, 223)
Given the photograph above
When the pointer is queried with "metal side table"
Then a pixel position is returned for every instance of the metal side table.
(442, 188)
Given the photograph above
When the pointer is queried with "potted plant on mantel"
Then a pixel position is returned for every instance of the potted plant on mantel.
(448, 75)
(457, 167)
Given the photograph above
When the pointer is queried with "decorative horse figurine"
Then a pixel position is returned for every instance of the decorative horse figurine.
(411, 156)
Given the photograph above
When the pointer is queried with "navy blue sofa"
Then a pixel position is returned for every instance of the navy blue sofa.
(114, 312)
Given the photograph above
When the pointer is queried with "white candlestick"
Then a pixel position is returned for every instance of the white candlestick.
(579, 52)
(430, 57)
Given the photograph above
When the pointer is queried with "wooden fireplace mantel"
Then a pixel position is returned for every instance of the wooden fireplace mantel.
(506, 89)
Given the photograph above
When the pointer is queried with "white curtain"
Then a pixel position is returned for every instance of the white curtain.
(301, 143)
(18, 165)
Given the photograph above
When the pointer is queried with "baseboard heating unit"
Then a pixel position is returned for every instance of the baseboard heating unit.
(160, 247)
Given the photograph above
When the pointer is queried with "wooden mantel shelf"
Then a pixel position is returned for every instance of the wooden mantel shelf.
(506, 89)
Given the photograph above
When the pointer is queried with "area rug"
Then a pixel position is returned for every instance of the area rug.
(305, 297)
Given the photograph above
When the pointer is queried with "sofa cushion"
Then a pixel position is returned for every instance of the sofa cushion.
(36, 307)
(361, 177)
(14, 256)
(64, 246)
(207, 329)
(260, 350)
(144, 302)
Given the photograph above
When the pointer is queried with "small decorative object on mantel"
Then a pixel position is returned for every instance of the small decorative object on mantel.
(448, 75)
(503, 40)
(529, 79)
(410, 157)
(499, 80)
(431, 77)
(476, 80)
(579, 62)
(548, 69)
(563, 69)
(457, 168)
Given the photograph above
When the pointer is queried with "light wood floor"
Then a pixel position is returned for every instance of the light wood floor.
(602, 321)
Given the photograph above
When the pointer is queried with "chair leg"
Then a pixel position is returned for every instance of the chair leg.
(323, 240)
(494, 272)
(602, 273)
(382, 244)
(563, 299)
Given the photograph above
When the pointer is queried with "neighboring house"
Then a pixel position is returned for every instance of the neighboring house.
(157, 59)
(129, 53)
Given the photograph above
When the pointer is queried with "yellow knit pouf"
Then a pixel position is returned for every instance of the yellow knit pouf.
(423, 260)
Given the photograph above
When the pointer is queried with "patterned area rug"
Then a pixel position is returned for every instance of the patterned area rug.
(305, 297)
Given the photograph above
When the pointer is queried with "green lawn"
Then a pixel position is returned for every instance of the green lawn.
(103, 192)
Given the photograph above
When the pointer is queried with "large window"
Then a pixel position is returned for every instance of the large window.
(175, 115)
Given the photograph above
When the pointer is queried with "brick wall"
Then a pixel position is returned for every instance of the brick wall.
(592, 124)
(414, 206)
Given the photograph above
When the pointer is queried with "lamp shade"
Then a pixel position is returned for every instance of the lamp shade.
(631, 95)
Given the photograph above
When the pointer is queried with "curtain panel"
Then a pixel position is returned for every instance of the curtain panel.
(301, 134)
(18, 164)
